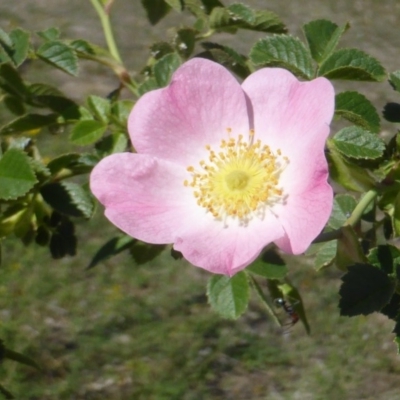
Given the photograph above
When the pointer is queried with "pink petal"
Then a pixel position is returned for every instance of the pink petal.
(201, 102)
(227, 250)
(143, 196)
(294, 116)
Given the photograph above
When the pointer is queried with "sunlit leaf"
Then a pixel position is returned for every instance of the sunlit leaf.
(269, 265)
(284, 51)
(59, 55)
(87, 132)
(357, 109)
(16, 175)
(352, 64)
(356, 142)
(343, 206)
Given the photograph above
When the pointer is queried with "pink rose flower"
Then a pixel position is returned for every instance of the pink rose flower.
(223, 169)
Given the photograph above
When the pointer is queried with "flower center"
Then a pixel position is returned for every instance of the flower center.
(238, 180)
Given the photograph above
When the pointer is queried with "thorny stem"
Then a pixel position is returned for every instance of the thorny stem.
(354, 218)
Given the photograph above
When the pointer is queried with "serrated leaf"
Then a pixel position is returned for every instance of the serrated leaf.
(28, 122)
(349, 175)
(120, 111)
(358, 143)
(114, 143)
(147, 86)
(87, 132)
(284, 51)
(20, 358)
(343, 206)
(269, 265)
(227, 57)
(394, 79)
(11, 81)
(49, 34)
(69, 199)
(155, 10)
(100, 107)
(242, 12)
(357, 109)
(16, 175)
(111, 248)
(239, 16)
(20, 39)
(59, 55)
(352, 64)
(184, 41)
(385, 257)
(365, 289)
(391, 310)
(349, 250)
(160, 49)
(165, 67)
(78, 163)
(322, 37)
(325, 255)
(229, 297)
(82, 46)
(143, 252)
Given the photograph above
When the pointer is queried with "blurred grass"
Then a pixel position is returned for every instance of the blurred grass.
(126, 332)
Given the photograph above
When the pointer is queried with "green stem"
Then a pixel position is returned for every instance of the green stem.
(357, 213)
(354, 218)
(105, 22)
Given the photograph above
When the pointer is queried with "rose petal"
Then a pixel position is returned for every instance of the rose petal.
(226, 250)
(143, 196)
(201, 102)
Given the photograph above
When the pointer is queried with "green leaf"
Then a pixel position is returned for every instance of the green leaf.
(352, 64)
(28, 122)
(78, 163)
(87, 132)
(120, 111)
(349, 250)
(175, 4)
(16, 175)
(184, 41)
(394, 79)
(165, 67)
(343, 206)
(240, 16)
(365, 289)
(63, 241)
(160, 49)
(349, 175)
(142, 253)
(155, 10)
(100, 107)
(83, 47)
(325, 255)
(358, 143)
(49, 34)
(59, 55)
(111, 248)
(11, 81)
(20, 358)
(284, 51)
(357, 109)
(385, 257)
(147, 86)
(242, 12)
(114, 143)
(269, 265)
(20, 39)
(7, 395)
(228, 296)
(69, 199)
(14, 104)
(323, 36)
(227, 57)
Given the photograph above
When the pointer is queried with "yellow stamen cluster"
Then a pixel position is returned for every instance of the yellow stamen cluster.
(239, 179)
